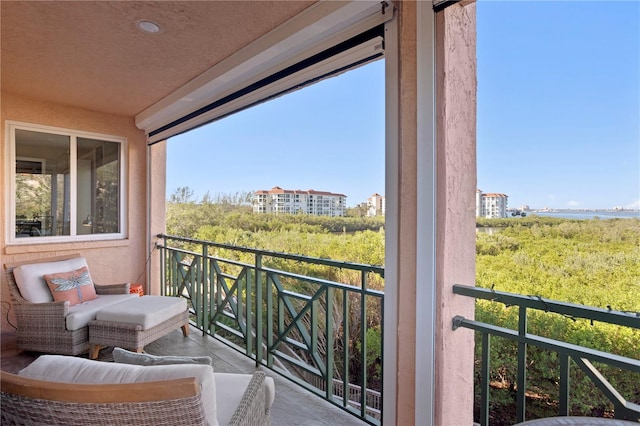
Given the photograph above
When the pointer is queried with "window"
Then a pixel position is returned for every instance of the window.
(65, 185)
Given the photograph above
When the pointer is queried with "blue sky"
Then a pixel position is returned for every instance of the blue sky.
(558, 118)
(326, 137)
(559, 102)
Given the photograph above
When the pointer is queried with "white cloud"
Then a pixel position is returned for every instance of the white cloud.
(573, 203)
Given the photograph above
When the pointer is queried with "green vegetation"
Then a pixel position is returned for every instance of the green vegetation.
(350, 239)
(589, 262)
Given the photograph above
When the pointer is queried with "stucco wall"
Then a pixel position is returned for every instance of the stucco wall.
(455, 221)
(158, 210)
(109, 261)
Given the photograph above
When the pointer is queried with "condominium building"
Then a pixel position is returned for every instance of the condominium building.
(491, 205)
(319, 203)
(376, 205)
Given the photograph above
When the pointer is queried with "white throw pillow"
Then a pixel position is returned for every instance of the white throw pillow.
(30, 280)
(67, 369)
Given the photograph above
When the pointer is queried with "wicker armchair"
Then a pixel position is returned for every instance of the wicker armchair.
(28, 401)
(42, 326)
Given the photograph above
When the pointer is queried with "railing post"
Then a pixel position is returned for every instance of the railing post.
(281, 310)
(363, 346)
(345, 345)
(163, 268)
(206, 308)
(269, 322)
(485, 379)
(329, 348)
(219, 296)
(211, 300)
(196, 272)
(173, 272)
(563, 409)
(258, 309)
(313, 328)
(521, 380)
(248, 305)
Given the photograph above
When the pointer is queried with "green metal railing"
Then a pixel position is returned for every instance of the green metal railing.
(309, 319)
(581, 356)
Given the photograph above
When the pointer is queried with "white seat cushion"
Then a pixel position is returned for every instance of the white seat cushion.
(67, 369)
(148, 311)
(30, 281)
(80, 314)
(230, 388)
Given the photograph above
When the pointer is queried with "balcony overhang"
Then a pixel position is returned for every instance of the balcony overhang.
(222, 89)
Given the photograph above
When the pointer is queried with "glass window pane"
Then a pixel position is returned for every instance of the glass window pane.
(42, 189)
(98, 187)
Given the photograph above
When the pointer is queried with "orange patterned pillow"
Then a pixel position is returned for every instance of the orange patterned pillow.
(74, 286)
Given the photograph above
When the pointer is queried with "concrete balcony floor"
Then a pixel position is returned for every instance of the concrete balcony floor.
(293, 405)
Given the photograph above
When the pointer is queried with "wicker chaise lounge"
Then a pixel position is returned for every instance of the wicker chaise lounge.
(43, 327)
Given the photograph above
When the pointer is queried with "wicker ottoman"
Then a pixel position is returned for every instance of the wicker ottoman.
(137, 322)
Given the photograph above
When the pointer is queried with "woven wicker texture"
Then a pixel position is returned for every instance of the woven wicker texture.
(132, 336)
(61, 408)
(42, 326)
(251, 410)
(18, 410)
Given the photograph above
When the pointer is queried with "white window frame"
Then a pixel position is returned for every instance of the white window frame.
(10, 183)
(392, 237)
(426, 191)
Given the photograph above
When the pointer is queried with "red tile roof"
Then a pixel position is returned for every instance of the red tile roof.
(278, 190)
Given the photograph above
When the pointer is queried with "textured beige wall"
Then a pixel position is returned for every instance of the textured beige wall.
(455, 222)
(110, 261)
(158, 211)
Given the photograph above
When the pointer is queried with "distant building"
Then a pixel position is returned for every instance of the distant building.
(319, 203)
(376, 205)
(491, 205)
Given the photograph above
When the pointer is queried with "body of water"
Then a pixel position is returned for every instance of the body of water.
(588, 214)
(569, 214)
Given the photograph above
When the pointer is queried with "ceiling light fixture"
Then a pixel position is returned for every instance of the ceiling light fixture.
(148, 26)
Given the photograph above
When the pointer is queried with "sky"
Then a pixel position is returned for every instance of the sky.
(327, 137)
(558, 118)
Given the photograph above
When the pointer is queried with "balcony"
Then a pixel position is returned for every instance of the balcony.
(273, 309)
(610, 376)
(316, 322)
(256, 309)
(289, 396)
